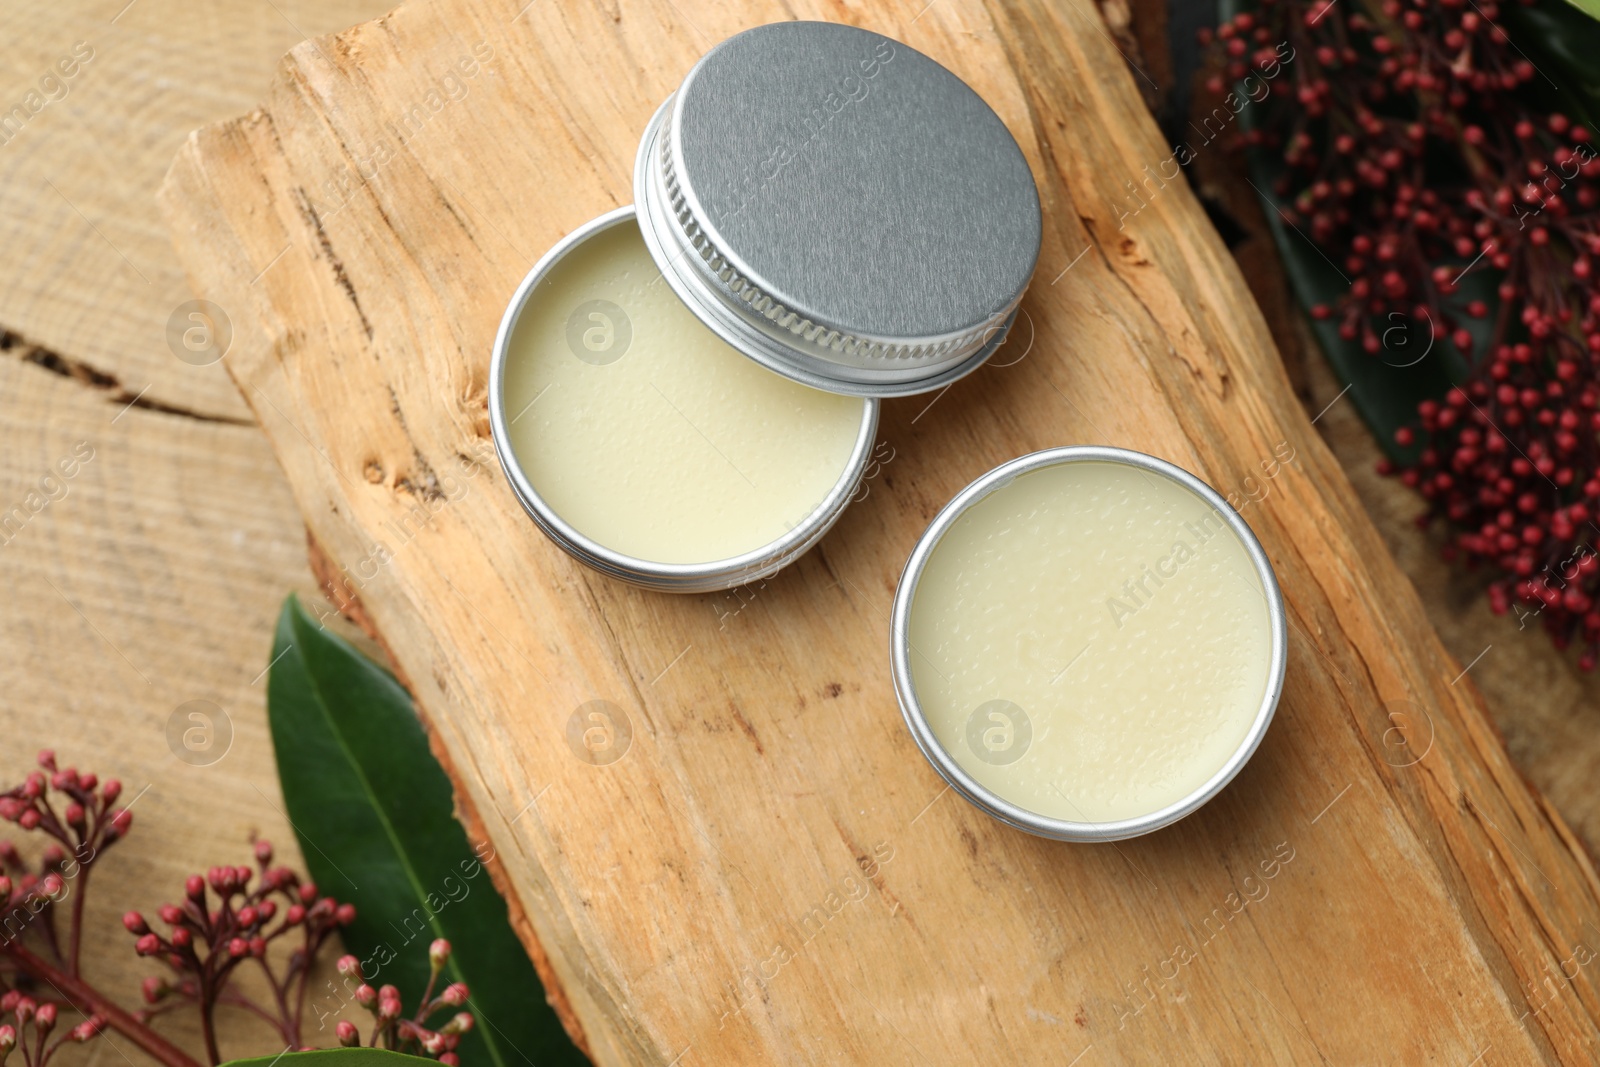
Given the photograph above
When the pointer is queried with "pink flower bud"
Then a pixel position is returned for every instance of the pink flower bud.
(47, 758)
(217, 878)
(195, 887)
(263, 852)
(89, 781)
(51, 857)
(455, 994)
(121, 821)
(432, 1043)
(238, 947)
(112, 790)
(450, 1059)
(181, 938)
(154, 988)
(8, 1040)
(53, 885)
(462, 1022)
(5, 889)
(438, 953)
(134, 923)
(389, 1003)
(345, 914)
(349, 967)
(346, 1031)
(248, 916)
(308, 892)
(8, 1003)
(366, 996)
(33, 788)
(171, 914)
(266, 909)
(242, 876)
(88, 1028)
(150, 944)
(29, 819)
(45, 1018)
(295, 915)
(75, 814)
(258, 947)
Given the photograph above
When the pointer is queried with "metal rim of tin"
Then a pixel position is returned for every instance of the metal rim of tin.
(986, 799)
(711, 280)
(728, 573)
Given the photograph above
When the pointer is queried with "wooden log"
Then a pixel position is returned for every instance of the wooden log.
(771, 873)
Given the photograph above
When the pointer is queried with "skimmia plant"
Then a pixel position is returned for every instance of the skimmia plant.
(1412, 153)
(264, 917)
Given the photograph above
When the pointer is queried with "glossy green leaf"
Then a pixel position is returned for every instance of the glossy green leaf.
(1588, 7)
(337, 1057)
(1561, 41)
(373, 811)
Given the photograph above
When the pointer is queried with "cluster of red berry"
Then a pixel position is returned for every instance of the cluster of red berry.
(208, 940)
(391, 1030)
(1414, 159)
(229, 918)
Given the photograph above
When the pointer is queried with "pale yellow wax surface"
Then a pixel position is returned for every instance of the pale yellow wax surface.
(1124, 618)
(678, 450)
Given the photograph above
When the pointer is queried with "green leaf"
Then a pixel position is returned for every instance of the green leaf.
(373, 811)
(1561, 40)
(1588, 7)
(336, 1057)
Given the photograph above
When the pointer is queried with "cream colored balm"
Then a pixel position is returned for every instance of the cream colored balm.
(646, 432)
(1091, 642)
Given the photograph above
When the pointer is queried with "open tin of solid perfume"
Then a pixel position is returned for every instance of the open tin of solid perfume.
(1088, 643)
(685, 396)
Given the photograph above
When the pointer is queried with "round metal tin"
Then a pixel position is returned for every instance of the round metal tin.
(670, 577)
(986, 799)
(840, 208)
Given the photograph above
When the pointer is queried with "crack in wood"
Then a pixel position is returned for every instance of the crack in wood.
(86, 374)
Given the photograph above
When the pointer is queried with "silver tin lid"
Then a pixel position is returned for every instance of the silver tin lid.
(840, 208)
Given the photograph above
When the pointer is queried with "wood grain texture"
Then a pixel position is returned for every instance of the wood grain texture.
(772, 873)
(155, 575)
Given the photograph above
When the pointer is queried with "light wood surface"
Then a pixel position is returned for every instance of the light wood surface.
(1425, 904)
(156, 578)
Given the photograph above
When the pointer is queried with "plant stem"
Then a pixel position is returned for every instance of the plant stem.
(207, 1022)
(82, 995)
(75, 935)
